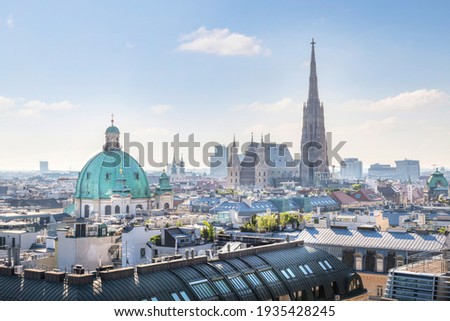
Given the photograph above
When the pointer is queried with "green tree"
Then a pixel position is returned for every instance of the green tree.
(204, 233)
(210, 231)
(356, 187)
(442, 230)
(288, 218)
(156, 239)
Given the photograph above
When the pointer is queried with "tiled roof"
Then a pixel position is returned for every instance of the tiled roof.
(342, 198)
(373, 239)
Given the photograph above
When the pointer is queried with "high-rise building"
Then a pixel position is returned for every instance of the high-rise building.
(218, 162)
(43, 167)
(408, 169)
(382, 171)
(351, 169)
(314, 162)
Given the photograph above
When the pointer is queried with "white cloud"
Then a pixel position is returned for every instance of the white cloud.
(130, 45)
(150, 132)
(29, 112)
(160, 109)
(31, 108)
(6, 103)
(222, 42)
(285, 104)
(369, 127)
(406, 101)
(40, 105)
(10, 22)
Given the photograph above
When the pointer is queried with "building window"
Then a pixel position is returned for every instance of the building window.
(108, 210)
(240, 286)
(175, 296)
(304, 271)
(379, 290)
(117, 209)
(202, 289)
(88, 175)
(222, 287)
(328, 264)
(142, 253)
(358, 263)
(287, 273)
(180, 296)
(136, 176)
(2, 241)
(400, 261)
(323, 266)
(380, 263)
(108, 176)
(253, 279)
(269, 276)
(184, 296)
(308, 268)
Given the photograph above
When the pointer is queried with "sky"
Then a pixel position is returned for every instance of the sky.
(219, 68)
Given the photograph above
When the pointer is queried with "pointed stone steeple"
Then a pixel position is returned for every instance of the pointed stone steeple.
(182, 169)
(314, 161)
(313, 86)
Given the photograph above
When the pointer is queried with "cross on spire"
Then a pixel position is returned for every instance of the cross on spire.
(112, 119)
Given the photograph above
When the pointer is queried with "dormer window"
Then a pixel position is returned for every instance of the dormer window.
(108, 176)
(88, 175)
(136, 176)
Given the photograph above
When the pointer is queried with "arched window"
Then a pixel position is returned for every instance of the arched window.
(86, 211)
(128, 209)
(117, 209)
(139, 207)
(358, 261)
(370, 261)
(108, 210)
(380, 263)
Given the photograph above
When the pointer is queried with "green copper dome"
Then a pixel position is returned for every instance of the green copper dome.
(437, 180)
(164, 184)
(112, 130)
(112, 172)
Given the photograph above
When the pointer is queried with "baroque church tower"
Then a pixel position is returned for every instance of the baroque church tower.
(314, 161)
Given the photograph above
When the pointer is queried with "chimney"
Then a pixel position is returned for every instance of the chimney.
(16, 255)
(9, 263)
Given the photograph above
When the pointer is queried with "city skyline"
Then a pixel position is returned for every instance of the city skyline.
(382, 73)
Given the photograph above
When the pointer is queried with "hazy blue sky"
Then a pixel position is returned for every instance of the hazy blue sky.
(214, 68)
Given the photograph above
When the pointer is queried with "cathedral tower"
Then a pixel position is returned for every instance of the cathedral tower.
(314, 162)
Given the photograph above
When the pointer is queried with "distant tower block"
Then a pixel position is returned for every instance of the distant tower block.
(43, 167)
